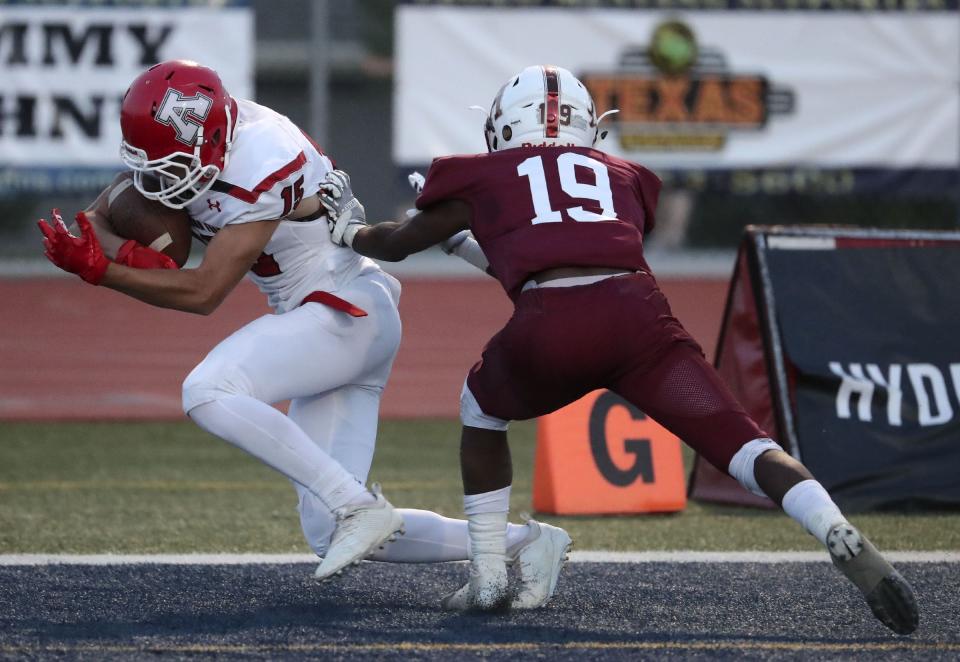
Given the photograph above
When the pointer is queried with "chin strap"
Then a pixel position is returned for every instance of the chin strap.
(228, 140)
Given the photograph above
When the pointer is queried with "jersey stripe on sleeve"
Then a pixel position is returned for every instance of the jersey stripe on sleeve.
(250, 197)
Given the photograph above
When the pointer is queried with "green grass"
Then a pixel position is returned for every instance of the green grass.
(169, 487)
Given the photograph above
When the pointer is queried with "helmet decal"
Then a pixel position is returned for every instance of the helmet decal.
(185, 114)
(551, 116)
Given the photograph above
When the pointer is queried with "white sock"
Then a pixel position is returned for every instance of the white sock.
(274, 439)
(337, 487)
(487, 522)
(433, 538)
(810, 505)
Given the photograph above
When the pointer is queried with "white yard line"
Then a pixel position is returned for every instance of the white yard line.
(161, 559)
(596, 556)
(686, 556)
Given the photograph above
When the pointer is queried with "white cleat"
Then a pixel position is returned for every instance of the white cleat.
(487, 589)
(541, 555)
(888, 594)
(361, 529)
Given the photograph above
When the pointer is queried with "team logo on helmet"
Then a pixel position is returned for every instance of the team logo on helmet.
(185, 114)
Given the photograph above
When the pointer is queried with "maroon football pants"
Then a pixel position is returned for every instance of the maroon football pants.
(618, 334)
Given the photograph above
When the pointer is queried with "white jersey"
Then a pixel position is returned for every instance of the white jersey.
(272, 166)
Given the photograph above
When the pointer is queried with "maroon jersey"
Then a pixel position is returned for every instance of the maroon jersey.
(537, 208)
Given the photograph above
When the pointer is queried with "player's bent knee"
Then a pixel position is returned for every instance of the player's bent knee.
(742, 464)
(473, 416)
(205, 385)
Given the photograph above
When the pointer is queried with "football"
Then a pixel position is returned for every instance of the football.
(149, 222)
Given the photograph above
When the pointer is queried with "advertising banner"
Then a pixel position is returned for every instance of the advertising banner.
(64, 69)
(710, 94)
(872, 341)
(845, 346)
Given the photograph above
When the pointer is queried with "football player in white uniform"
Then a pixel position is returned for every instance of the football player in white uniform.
(249, 179)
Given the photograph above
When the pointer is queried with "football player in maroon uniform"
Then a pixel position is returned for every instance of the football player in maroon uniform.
(561, 226)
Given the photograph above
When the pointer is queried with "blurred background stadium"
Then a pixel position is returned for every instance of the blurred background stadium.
(335, 67)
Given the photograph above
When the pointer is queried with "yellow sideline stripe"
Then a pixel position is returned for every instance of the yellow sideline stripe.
(415, 647)
(182, 485)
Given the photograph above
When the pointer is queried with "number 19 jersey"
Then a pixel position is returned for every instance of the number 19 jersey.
(537, 208)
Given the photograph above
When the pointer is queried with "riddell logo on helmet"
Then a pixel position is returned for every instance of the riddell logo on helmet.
(675, 95)
(185, 114)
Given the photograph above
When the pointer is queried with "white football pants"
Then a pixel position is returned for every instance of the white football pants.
(333, 368)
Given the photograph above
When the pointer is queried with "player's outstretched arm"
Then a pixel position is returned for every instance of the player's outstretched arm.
(228, 257)
(462, 244)
(392, 241)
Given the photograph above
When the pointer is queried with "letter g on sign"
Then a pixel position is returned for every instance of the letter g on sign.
(640, 449)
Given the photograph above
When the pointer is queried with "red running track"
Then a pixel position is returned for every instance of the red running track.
(69, 351)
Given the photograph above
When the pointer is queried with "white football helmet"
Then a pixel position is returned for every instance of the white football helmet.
(542, 105)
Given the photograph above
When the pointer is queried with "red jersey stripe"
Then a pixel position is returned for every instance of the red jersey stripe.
(269, 181)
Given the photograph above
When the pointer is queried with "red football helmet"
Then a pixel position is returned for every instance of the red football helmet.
(177, 122)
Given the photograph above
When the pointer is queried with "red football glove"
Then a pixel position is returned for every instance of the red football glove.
(79, 255)
(138, 256)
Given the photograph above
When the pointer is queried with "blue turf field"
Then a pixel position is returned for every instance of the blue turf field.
(791, 611)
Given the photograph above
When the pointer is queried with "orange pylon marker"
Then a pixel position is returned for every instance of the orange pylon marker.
(601, 456)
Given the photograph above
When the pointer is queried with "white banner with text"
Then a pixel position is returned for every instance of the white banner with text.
(64, 70)
(712, 90)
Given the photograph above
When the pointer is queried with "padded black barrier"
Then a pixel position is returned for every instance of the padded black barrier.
(845, 345)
